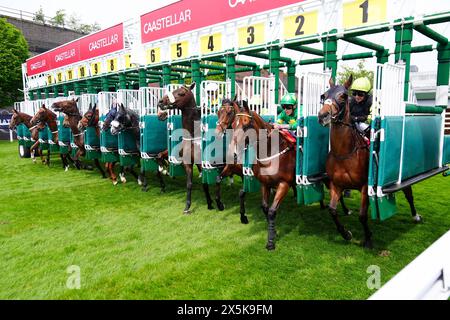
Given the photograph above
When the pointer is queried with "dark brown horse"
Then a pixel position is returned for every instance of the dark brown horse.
(25, 119)
(48, 117)
(347, 164)
(269, 171)
(71, 119)
(183, 99)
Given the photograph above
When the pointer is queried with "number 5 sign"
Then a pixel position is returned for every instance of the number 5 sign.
(364, 12)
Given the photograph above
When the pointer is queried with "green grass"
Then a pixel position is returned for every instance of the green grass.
(134, 245)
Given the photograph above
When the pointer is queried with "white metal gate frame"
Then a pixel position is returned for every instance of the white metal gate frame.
(311, 87)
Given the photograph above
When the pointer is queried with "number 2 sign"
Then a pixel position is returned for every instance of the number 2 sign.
(302, 24)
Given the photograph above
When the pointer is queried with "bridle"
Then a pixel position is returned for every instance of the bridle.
(229, 116)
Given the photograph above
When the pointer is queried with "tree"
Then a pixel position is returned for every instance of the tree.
(59, 19)
(73, 22)
(13, 52)
(39, 16)
(359, 72)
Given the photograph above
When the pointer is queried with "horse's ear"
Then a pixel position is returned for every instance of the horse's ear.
(192, 86)
(94, 109)
(15, 111)
(235, 98)
(245, 105)
(331, 82)
(43, 107)
(122, 107)
(90, 106)
(349, 82)
(75, 100)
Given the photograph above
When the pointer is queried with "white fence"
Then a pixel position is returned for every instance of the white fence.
(388, 90)
(259, 93)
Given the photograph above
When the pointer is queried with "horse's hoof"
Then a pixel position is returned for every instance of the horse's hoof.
(270, 246)
(210, 207)
(115, 183)
(139, 182)
(417, 218)
(220, 206)
(162, 191)
(66, 168)
(347, 235)
(244, 220)
(187, 212)
(368, 244)
(348, 213)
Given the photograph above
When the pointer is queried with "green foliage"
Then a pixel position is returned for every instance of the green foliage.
(357, 72)
(13, 52)
(59, 20)
(39, 16)
(134, 245)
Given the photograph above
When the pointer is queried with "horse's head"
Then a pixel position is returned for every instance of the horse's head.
(334, 103)
(89, 119)
(44, 115)
(178, 99)
(124, 119)
(70, 109)
(16, 119)
(226, 115)
(109, 117)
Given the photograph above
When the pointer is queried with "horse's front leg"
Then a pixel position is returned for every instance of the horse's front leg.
(226, 172)
(363, 217)
(335, 194)
(189, 171)
(282, 191)
(206, 191)
(33, 149)
(48, 157)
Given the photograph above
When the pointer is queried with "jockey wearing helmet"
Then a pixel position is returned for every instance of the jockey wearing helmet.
(287, 119)
(360, 104)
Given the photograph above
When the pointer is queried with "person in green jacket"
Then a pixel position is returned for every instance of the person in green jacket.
(287, 119)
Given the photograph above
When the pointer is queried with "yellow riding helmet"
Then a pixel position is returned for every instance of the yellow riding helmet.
(362, 84)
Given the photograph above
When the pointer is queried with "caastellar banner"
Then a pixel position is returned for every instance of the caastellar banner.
(98, 44)
(188, 15)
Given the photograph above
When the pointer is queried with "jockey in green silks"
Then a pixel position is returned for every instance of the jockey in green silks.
(287, 119)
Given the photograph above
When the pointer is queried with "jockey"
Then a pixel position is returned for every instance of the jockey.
(360, 104)
(287, 119)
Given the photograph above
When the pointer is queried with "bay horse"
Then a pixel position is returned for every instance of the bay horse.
(281, 177)
(183, 99)
(25, 119)
(347, 164)
(71, 120)
(48, 117)
(226, 115)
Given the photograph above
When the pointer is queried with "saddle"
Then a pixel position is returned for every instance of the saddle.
(290, 138)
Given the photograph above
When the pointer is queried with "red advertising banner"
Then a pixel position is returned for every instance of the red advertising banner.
(95, 45)
(188, 15)
(38, 64)
(101, 43)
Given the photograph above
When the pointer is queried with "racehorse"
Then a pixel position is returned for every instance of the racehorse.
(48, 117)
(23, 118)
(71, 119)
(281, 177)
(183, 99)
(226, 115)
(347, 164)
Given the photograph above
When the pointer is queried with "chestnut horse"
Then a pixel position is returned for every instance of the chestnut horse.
(269, 171)
(71, 120)
(347, 164)
(25, 119)
(48, 117)
(183, 99)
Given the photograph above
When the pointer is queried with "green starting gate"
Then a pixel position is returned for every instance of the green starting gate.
(91, 139)
(109, 144)
(312, 139)
(153, 131)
